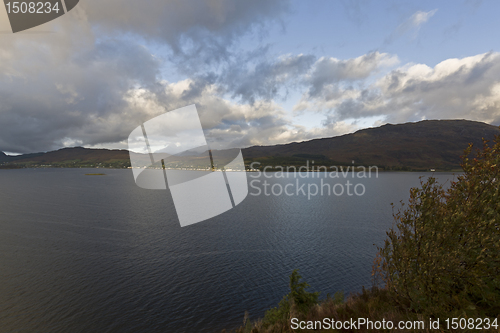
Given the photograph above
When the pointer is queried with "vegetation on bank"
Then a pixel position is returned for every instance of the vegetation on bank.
(67, 164)
(319, 162)
(267, 164)
(440, 260)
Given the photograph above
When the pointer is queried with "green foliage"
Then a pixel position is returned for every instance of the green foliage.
(247, 324)
(443, 256)
(337, 299)
(441, 259)
(297, 302)
(299, 297)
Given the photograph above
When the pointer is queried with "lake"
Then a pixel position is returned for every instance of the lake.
(99, 254)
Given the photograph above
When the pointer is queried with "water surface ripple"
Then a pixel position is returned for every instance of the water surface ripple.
(98, 254)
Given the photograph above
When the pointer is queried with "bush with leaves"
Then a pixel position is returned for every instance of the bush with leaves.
(297, 302)
(443, 255)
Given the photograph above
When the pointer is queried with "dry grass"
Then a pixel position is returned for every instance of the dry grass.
(374, 304)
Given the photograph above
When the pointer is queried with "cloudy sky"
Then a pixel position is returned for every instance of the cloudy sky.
(260, 72)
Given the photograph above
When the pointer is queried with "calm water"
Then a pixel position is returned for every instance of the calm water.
(98, 254)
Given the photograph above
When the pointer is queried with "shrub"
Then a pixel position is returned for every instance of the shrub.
(297, 302)
(443, 255)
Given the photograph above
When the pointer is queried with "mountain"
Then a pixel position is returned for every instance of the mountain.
(436, 144)
(8, 158)
(83, 154)
(72, 157)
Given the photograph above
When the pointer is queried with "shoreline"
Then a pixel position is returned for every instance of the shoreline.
(346, 172)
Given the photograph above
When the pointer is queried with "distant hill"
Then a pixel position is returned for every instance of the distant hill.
(427, 144)
(436, 144)
(72, 157)
(7, 158)
(81, 154)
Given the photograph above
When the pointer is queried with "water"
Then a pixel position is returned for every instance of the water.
(99, 254)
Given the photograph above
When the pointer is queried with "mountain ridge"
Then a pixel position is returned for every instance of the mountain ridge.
(420, 145)
(426, 144)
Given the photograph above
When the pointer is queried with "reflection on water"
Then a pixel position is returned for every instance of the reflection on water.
(80, 253)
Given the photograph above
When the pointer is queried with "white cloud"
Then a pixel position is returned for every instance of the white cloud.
(466, 88)
(330, 79)
(411, 25)
(419, 18)
(90, 83)
(228, 124)
(70, 80)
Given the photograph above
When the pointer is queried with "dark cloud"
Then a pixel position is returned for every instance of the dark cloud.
(92, 82)
(199, 33)
(255, 78)
(97, 78)
(170, 21)
(81, 100)
(266, 78)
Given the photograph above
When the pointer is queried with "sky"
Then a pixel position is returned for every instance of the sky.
(259, 72)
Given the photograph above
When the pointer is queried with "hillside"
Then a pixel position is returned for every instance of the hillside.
(422, 145)
(427, 144)
(71, 157)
